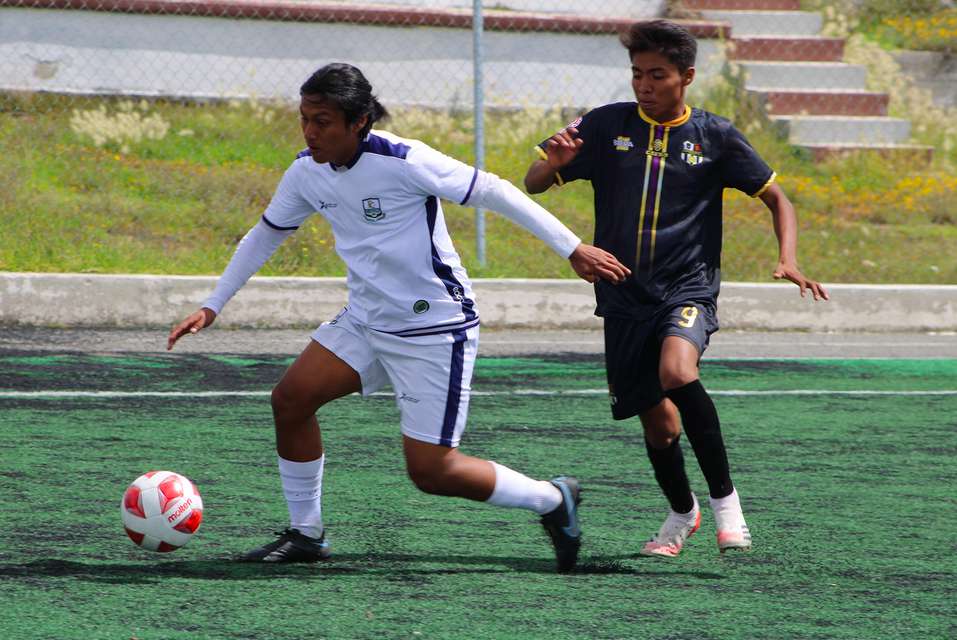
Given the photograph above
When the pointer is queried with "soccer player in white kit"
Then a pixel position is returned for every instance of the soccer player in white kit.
(411, 319)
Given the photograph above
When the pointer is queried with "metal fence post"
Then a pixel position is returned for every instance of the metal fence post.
(479, 106)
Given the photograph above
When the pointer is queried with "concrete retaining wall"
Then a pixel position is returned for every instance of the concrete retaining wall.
(78, 300)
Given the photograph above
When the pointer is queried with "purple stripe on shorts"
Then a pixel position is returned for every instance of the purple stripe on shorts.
(455, 389)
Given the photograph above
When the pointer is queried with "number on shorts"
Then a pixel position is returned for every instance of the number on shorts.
(690, 314)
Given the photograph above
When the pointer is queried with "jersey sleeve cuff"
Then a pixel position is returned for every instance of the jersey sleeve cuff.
(272, 225)
(766, 185)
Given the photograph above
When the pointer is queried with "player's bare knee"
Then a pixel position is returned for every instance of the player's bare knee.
(428, 478)
(677, 376)
(661, 439)
(288, 405)
(661, 425)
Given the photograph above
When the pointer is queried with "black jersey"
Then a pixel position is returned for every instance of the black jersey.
(658, 189)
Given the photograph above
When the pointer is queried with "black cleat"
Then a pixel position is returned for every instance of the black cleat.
(561, 524)
(292, 546)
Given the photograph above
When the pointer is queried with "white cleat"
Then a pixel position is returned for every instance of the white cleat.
(732, 529)
(677, 528)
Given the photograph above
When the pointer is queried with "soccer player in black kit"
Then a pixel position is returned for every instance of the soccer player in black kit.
(658, 169)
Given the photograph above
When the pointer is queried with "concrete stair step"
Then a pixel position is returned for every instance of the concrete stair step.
(843, 130)
(913, 153)
(769, 23)
(786, 48)
(802, 76)
(818, 103)
(743, 5)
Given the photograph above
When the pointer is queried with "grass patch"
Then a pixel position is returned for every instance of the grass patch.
(99, 197)
(814, 472)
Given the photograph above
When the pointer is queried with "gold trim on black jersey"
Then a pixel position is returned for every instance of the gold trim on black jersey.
(766, 185)
(677, 122)
(657, 158)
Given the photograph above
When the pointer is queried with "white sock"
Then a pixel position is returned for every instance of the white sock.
(512, 489)
(730, 502)
(302, 486)
(727, 511)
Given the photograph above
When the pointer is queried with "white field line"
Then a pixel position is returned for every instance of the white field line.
(512, 392)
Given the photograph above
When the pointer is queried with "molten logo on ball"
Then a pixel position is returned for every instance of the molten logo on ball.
(161, 510)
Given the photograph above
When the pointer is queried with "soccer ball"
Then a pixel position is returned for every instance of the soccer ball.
(161, 511)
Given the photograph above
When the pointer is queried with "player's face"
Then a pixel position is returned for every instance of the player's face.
(327, 134)
(659, 86)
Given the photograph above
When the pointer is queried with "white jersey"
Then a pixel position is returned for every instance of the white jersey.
(403, 274)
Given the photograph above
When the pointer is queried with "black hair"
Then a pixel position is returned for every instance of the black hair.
(669, 39)
(345, 86)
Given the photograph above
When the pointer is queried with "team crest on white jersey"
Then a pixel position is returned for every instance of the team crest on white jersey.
(691, 153)
(372, 209)
(622, 143)
(420, 306)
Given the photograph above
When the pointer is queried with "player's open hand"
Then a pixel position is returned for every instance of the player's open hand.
(562, 148)
(592, 264)
(791, 272)
(193, 324)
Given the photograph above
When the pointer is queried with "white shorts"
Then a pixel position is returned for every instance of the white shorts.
(431, 375)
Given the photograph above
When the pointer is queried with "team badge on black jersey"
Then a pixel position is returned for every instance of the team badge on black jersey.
(372, 209)
(691, 153)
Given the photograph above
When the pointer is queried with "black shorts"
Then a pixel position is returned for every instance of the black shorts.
(633, 349)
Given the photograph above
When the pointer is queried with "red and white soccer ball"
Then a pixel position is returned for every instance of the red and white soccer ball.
(161, 510)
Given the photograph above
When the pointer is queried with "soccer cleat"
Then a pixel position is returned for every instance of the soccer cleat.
(561, 523)
(292, 546)
(675, 530)
(732, 529)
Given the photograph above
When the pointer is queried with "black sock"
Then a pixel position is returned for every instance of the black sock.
(669, 466)
(700, 421)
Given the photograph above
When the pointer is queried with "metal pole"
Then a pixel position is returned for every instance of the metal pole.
(477, 27)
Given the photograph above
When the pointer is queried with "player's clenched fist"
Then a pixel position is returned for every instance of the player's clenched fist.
(592, 264)
(562, 148)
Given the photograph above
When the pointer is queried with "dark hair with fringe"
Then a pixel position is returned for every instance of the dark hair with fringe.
(669, 39)
(344, 85)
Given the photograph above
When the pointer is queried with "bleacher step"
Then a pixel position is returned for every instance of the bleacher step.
(843, 130)
(769, 23)
(810, 76)
(743, 5)
(836, 102)
(786, 48)
(915, 154)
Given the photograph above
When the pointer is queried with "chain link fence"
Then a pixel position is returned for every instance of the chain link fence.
(825, 77)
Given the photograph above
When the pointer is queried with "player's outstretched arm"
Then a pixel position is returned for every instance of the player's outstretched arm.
(253, 251)
(560, 149)
(785, 228)
(593, 264)
(194, 323)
